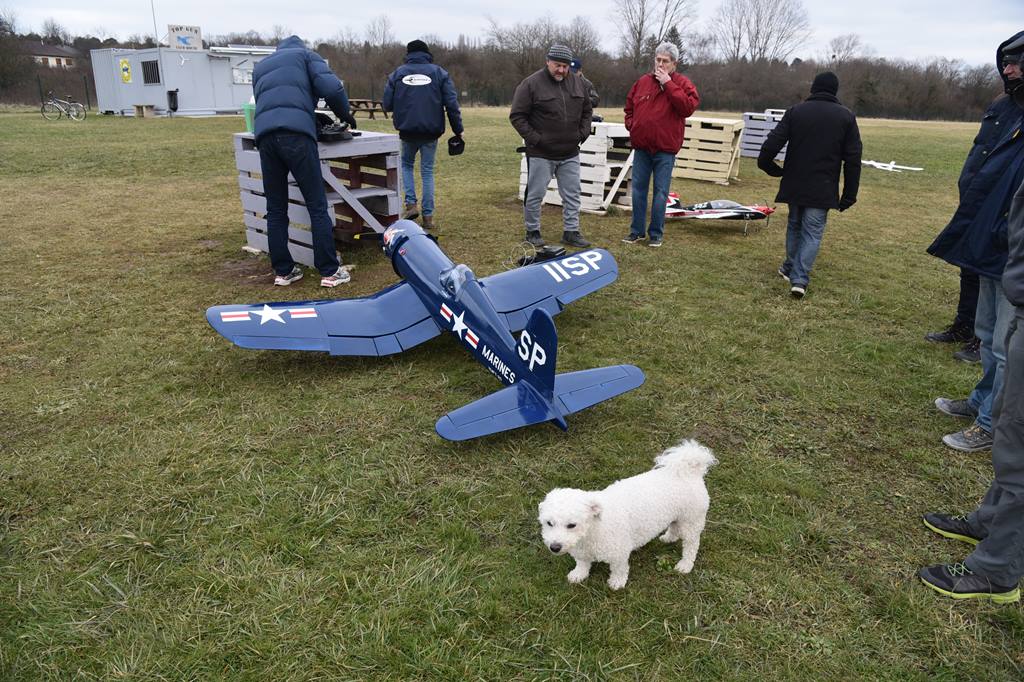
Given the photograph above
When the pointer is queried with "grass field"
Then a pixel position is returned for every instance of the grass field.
(173, 507)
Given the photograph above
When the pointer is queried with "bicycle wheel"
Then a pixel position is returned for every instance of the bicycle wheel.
(76, 111)
(51, 112)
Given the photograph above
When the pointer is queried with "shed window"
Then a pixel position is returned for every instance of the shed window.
(150, 72)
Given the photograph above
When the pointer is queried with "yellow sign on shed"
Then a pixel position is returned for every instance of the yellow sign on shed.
(126, 71)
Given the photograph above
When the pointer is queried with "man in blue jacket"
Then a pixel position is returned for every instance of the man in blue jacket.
(287, 85)
(975, 240)
(419, 92)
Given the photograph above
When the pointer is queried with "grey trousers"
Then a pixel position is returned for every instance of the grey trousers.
(1000, 517)
(538, 175)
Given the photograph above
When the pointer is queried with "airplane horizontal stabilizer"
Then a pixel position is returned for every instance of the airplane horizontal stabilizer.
(579, 390)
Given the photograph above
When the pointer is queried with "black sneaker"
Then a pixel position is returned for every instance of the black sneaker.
(633, 239)
(654, 243)
(575, 239)
(956, 408)
(971, 439)
(535, 239)
(952, 334)
(959, 582)
(798, 290)
(954, 527)
(783, 274)
(971, 352)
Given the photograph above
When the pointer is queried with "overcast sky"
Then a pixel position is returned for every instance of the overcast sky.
(912, 29)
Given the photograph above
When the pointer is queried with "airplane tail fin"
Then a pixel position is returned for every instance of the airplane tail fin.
(538, 347)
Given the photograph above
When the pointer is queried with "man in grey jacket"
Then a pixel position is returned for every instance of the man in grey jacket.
(551, 110)
(996, 528)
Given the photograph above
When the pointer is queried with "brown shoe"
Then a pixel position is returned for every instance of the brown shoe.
(428, 222)
(412, 212)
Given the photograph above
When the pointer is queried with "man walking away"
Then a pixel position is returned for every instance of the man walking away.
(823, 137)
(287, 85)
(551, 111)
(656, 110)
(420, 93)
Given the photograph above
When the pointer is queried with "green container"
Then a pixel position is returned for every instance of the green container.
(250, 111)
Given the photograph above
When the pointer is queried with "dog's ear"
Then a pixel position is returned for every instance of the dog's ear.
(594, 507)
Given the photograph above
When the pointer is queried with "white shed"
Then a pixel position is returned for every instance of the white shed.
(186, 83)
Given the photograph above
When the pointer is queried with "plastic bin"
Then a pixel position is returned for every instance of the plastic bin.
(250, 111)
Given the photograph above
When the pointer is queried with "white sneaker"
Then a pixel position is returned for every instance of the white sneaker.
(339, 277)
(284, 280)
(798, 291)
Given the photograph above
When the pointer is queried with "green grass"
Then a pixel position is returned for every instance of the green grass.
(173, 507)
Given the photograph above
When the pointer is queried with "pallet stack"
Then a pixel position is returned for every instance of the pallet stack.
(711, 150)
(605, 164)
(756, 127)
(362, 184)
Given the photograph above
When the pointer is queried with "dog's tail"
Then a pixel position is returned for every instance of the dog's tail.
(688, 458)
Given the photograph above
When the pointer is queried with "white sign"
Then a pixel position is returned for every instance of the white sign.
(188, 38)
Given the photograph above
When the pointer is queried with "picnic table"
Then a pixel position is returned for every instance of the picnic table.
(371, 107)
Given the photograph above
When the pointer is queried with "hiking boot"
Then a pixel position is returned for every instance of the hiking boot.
(284, 280)
(534, 238)
(654, 243)
(798, 290)
(956, 408)
(959, 582)
(575, 239)
(412, 212)
(953, 527)
(339, 277)
(428, 222)
(783, 274)
(971, 352)
(954, 333)
(971, 439)
(633, 238)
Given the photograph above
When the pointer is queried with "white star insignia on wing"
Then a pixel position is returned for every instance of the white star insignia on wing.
(268, 314)
(459, 325)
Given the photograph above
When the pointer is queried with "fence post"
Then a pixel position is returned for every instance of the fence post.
(39, 82)
(88, 100)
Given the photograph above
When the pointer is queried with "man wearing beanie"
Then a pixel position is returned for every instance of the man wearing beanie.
(975, 241)
(551, 110)
(823, 138)
(420, 93)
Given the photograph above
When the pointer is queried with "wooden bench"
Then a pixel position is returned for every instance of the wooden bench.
(370, 107)
(144, 111)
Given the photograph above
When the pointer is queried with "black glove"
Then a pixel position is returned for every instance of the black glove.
(845, 203)
(350, 120)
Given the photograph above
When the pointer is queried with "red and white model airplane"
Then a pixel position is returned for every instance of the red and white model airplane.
(718, 209)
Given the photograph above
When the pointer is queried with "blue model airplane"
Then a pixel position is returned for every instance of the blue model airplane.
(438, 295)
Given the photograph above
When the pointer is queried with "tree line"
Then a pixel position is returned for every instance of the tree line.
(748, 60)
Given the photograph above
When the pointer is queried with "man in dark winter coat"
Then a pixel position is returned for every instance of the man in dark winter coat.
(823, 137)
(419, 93)
(657, 107)
(551, 111)
(975, 240)
(996, 528)
(999, 117)
(287, 85)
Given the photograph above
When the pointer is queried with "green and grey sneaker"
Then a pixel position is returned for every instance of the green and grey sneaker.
(956, 408)
(954, 527)
(959, 582)
(971, 439)
(284, 280)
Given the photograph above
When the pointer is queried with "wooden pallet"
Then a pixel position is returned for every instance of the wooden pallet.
(711, 150)
(361, 183)
(756, 127)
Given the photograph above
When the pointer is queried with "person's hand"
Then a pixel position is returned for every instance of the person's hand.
(350, 120)
(845, 203)
(661, 75)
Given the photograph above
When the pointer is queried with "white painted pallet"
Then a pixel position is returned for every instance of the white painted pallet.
(711, 150)
(756, 127)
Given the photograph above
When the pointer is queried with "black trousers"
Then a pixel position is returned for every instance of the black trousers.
(968, 300)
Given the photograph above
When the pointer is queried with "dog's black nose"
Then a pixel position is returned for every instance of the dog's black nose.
(556, 548)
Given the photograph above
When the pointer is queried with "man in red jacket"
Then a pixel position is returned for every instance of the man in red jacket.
(656, 111)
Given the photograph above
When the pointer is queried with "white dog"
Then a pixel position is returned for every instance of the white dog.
(606, 525)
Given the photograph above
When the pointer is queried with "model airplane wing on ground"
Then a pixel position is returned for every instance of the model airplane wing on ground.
(550, 285)
(891, 166)
(718, 209)
(390, 321)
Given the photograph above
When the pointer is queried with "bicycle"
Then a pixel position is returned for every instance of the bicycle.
(53, 108)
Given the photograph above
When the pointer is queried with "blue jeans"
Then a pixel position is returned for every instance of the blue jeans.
(991, 324)
(644, 163)
(280, 153)
(427, 150)
(803, 239)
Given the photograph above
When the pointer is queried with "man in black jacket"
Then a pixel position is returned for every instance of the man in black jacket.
(823, 137)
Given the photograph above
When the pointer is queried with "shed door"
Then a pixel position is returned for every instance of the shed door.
(220, 72)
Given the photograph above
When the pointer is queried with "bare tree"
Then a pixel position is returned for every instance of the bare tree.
(845, 48)
(54, 33)
(644, 22)
(582, 37)
(379, 31)
(728, 30)
(526, 44)
(8, 22)
(761, 30)
(278, 33)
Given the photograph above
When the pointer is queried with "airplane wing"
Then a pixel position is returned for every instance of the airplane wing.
(551, 285)
(390, 321)
(718, 215)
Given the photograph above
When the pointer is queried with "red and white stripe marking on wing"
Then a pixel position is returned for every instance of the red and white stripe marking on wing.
(472, 339)
(446, 312)
(235, 316)
(299, 313)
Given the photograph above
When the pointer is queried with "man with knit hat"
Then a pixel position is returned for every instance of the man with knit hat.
(420, 93)
(823, 138)
(551, 110)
